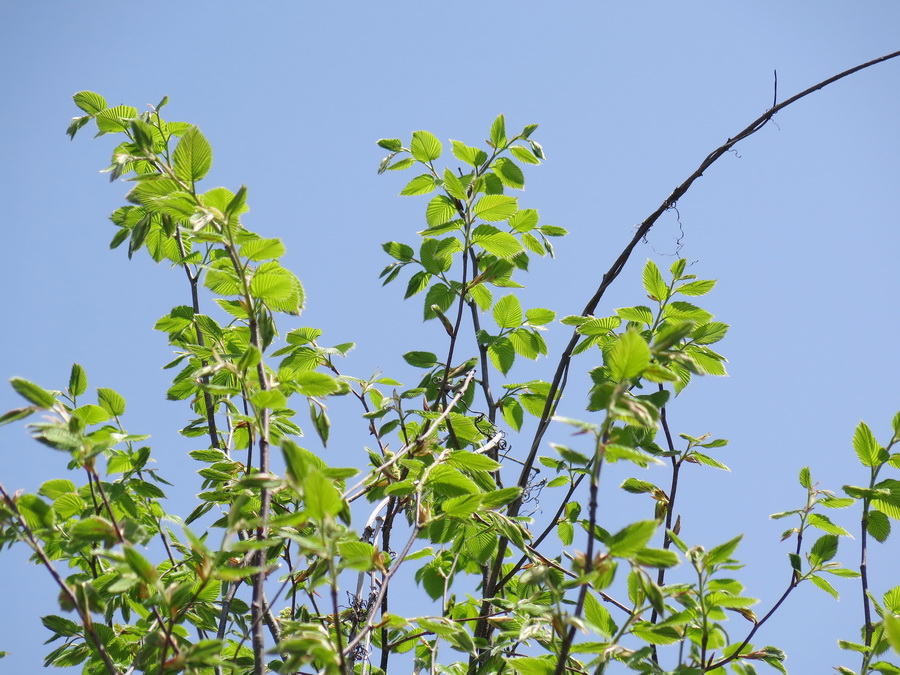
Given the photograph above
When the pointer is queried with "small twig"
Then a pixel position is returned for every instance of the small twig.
(83, 613)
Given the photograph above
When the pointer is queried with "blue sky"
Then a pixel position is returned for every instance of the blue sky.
(799, 226)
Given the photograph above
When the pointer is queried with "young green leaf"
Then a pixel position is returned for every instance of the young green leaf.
(33, 393)
(192, 157)
(494, 208)
(509, 173)
(865, 445)
(471, 156)
(653, 283)
(425, 146)
(77, 380)
(89, 102)
(420, 185)
(628, 357)
(498, 132)
(508, 312)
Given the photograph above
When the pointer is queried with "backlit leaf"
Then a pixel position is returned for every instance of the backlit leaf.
(628, 357)
(425, 146)
(508, 312)
(192, 156)
(493, 208)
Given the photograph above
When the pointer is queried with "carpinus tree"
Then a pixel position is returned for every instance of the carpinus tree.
(293, 566)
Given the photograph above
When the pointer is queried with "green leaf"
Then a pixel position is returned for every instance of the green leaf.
(399, 165)
(824, 585)
(628, 357)
(892, 631)
(439, 295)
(497, 498)
(94, 528)
(111, 401)
(656, 635)
(399, 251)
(71, 131)
(90, 414)
(33, 393)
(272, 399)
(56, 487)
(425, 147)
(865, 445)
(454, 186)
(466, 153)
(420, 359)
(656, 557)
(321, 497)
(77, 380)
(312, 383)
(89, 102)
(500, 244)
(632, 538)
(357, 555)
(462, 506)
(525, 220)
(805, 480)
(723, 552)
(564, 529)
(463, 459)
(448, 482)
(709, 333)
(598, 617)
(509, 173)
(888, 503)
(539, 316)
(440, 210)
(493, 208)
(640, 314)
(392, 144)
(599, 326)
(417, 283)
(653, 283)
(420, 185)
(262, 249)
(140, 565)
(36, 512)
(824, 523)
(498, 132)
(114, 120)
(678, 310)
(61, 626)
(502, 354)
(823, 550)
(512, 413)
(878, 526)
(508, 312)
(192, 156)
(278, 288)
(696, 287)
(531, 665)
(523, 154)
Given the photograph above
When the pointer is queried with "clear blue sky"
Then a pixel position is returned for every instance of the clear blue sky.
(800, 226)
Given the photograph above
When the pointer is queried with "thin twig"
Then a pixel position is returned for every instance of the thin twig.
(558, 383)
(83, 612)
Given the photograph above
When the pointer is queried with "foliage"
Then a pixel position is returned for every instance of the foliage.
(443, 501)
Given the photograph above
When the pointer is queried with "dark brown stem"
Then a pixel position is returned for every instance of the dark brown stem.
(195, 304)
(83, 613)
(589, 553)
(557, 385)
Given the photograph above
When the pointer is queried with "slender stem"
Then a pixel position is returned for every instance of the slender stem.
(589, 553)
(83, 612)
(201, 341)
(557, 385)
